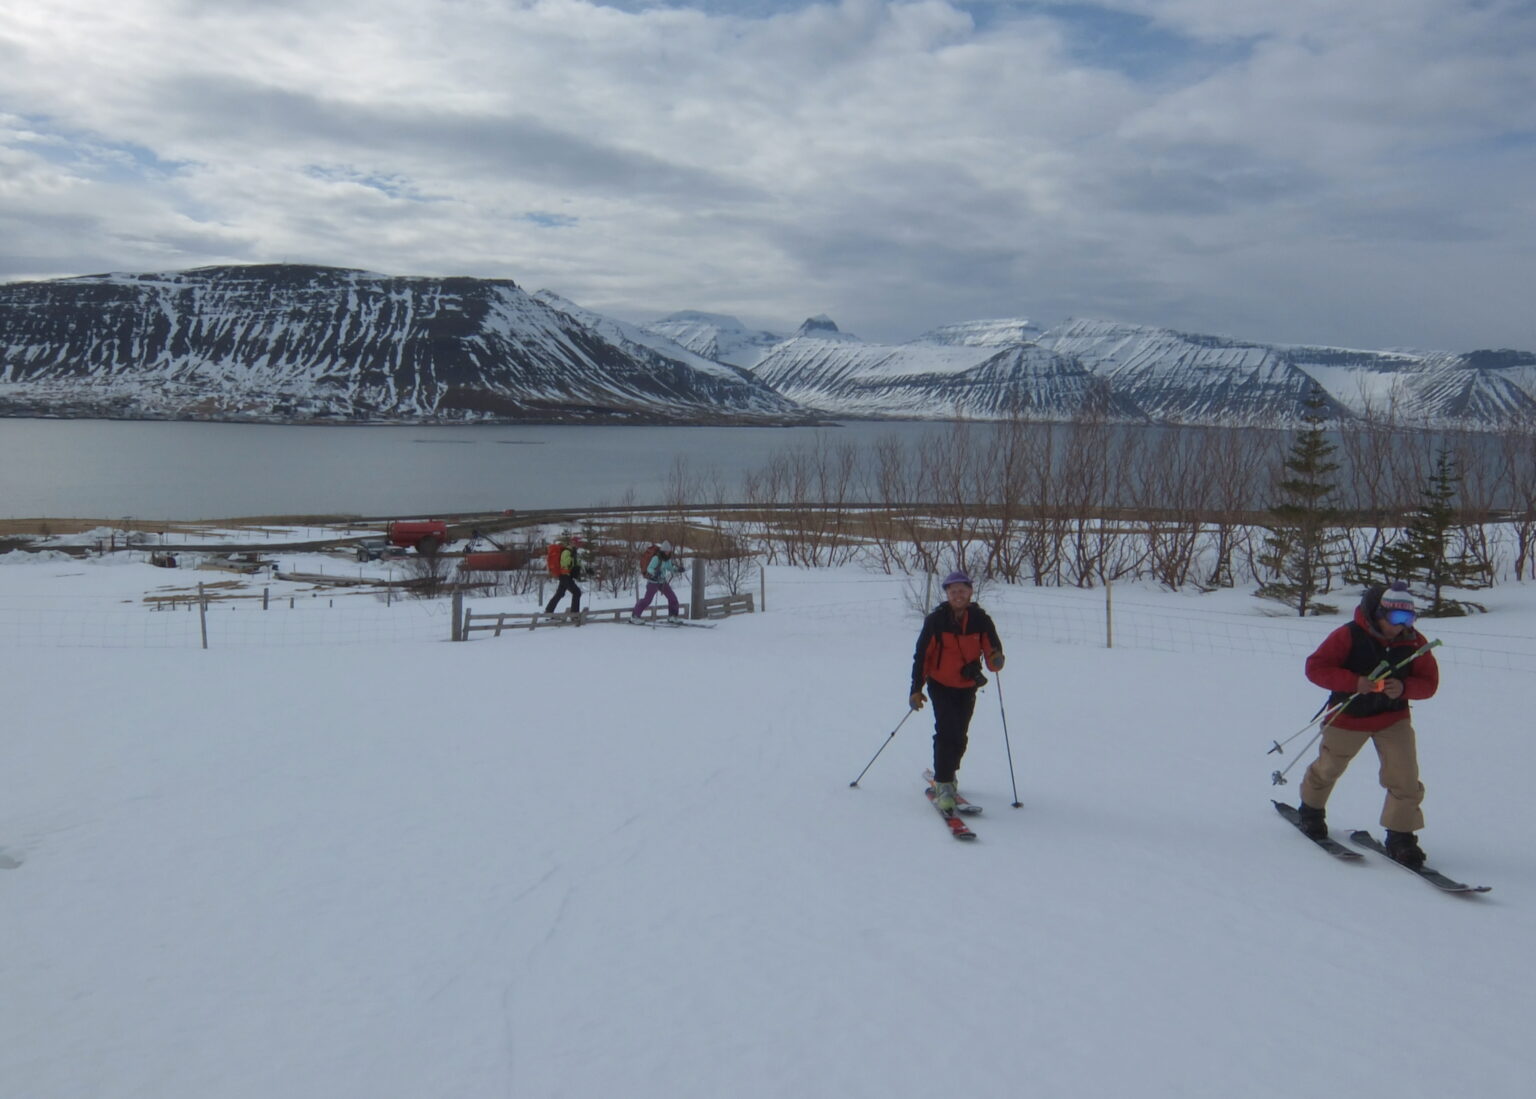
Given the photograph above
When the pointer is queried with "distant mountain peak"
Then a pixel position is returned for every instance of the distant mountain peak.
(992, 333)
(716, 336)
(822, 327)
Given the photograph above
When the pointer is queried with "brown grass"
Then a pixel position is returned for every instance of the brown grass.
(14, 527)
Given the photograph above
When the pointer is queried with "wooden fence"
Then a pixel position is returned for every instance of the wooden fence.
(467, 621)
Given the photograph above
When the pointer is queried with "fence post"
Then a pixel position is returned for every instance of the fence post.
(458, 616)
(762, 587)
(696, 593)
(202, 613)
(1109, 615)
(264, 593)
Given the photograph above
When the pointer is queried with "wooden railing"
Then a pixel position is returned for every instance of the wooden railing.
(496, 623)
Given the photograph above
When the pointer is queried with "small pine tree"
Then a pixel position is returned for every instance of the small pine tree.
(1304, 543)
(1429, 551)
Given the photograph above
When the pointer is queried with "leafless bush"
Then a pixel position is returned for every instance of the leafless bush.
(1375, 489)
(733, 573)
(801, 500)
(427, 571)
(1233, 460)
(1517, 450)
(1481, 481)
(898, 538)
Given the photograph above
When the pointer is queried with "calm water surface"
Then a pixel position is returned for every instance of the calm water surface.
(159, 470)
(111, 469)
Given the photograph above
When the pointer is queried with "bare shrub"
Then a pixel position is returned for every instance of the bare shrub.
(427, 571)
(1517, 449)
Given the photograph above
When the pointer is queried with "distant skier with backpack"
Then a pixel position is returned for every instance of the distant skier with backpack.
(564, 562)
(1382, 635)
(657, 567)
(955, 639)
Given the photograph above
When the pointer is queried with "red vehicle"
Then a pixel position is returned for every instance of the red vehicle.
(425, 535)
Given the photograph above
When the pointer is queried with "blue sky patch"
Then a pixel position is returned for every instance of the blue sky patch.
(391, 186)
(1104, 38)
(1099, 37)
(104, 161)
(550, 221)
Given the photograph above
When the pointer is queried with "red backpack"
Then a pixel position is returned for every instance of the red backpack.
(556, 549)
(645, 560)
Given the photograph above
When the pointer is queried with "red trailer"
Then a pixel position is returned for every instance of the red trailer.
(499, 561)
(426, 535)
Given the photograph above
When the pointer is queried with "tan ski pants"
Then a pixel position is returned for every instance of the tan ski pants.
(1398, 752)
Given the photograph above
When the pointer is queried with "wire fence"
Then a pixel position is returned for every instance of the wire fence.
(1089, 617)
(1104, 618)
(1125, 619)
(95, 622)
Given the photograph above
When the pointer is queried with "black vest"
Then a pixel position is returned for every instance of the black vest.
(1366, 652)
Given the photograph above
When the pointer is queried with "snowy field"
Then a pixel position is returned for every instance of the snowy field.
(352, 859)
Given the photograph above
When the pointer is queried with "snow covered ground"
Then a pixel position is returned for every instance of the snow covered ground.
(616, 862)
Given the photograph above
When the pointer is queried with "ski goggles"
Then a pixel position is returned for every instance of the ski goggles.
(1401, 617)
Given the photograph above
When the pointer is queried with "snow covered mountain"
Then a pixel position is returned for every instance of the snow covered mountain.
(284, 343)
(989, 368)
(961, 370)
(996, 333)
(1475, 388)
(296, 343)
(724, 339)
(643, 343)
(1183, 377)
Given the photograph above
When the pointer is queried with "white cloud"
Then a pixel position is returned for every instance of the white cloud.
(1276, 171)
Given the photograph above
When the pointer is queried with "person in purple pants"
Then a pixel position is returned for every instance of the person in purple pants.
(658, 567)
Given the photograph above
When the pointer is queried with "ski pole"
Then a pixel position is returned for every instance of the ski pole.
(1379, 672)
(1324, 714)
(889, 737)
(998, 678)
(1277, 778)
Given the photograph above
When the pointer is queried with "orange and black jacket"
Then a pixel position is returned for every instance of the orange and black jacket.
(949, 642)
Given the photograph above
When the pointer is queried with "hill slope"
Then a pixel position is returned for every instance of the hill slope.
(614, 861)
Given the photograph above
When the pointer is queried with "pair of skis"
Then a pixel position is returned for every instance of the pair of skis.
(661, 623)
(957, 827)
(1366, 840)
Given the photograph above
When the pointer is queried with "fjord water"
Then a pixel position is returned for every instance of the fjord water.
(111, 469)
(182, 471)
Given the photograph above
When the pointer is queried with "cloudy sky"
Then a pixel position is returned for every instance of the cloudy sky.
(1355, 172)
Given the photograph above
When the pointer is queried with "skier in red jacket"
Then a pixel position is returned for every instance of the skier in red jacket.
(956, 637)
(1382, 632)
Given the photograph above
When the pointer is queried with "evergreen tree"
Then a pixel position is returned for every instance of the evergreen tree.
(1431, 551)
(1304, 544)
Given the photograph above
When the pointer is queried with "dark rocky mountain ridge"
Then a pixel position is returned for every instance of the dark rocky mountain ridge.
(292, 344)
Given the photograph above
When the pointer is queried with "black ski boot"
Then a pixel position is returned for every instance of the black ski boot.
(1404, 848)
(1312, 822)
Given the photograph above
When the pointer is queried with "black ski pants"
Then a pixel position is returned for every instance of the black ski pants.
(567, 584)
(952, 709)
